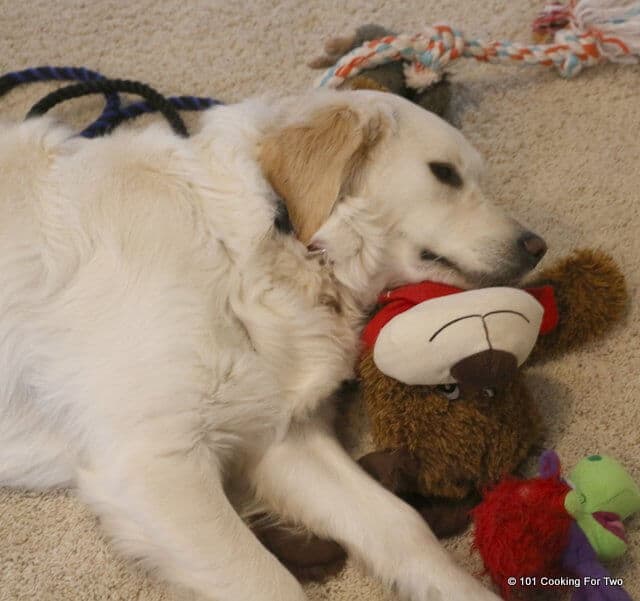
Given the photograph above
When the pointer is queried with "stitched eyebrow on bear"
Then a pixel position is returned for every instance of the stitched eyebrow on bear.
(446, 173)
(457, 319)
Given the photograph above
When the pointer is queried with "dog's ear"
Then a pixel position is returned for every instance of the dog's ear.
(312, 164)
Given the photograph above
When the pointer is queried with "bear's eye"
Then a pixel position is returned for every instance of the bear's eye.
(446, 173)
(450, 391)
(489, 392)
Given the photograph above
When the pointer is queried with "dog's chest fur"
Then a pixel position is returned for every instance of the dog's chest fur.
(163, 289)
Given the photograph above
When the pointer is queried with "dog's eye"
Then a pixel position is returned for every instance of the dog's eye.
(446, 173)
(450, 391)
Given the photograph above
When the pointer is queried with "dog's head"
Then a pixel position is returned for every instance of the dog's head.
(370, 174)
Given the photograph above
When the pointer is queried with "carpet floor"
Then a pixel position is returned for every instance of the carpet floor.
(564, 157)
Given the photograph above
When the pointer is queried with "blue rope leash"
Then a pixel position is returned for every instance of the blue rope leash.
(110, 118)
(45, 73)
(114, 112)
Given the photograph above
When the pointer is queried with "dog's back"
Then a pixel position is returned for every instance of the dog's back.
(103, 290)
(133, 274)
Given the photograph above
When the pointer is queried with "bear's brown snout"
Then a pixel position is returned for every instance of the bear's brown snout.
(487, 369)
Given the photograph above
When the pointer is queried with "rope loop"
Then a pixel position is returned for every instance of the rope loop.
(154, 98)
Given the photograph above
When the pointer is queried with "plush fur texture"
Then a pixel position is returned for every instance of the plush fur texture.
(170, 353)
(521, 528)
(459, 444)
(591, 292)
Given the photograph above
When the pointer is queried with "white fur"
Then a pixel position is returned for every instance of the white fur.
(160, 340)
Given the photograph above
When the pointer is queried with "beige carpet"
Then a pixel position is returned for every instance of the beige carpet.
(564, 156)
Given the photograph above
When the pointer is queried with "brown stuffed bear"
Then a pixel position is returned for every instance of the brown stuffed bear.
(435, 447)
(439, 445)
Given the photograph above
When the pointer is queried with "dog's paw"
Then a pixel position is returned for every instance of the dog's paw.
(434, 581)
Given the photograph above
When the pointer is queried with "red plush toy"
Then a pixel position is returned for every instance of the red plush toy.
(521, 528)
(553, 532)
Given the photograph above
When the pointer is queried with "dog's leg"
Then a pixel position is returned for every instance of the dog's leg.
(35, 460)
(31, 456)
(169, 510)
(310, 479)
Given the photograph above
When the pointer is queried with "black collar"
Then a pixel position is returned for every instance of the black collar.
(282, 220)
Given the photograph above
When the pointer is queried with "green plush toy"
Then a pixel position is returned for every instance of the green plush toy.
(603, 496)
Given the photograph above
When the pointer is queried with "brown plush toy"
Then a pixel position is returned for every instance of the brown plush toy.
(385, 78)
(438, 445)
(442, 444)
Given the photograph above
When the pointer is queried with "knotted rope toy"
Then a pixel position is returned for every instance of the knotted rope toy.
(114, 112)
(596, 31)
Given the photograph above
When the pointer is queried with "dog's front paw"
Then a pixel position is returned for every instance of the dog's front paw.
(472, 590)
(435, 581)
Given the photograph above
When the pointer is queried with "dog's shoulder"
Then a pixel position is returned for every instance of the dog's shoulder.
(27, 148)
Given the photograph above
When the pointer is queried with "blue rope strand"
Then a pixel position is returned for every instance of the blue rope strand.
(110, 119)
(48, 73)
(113, 113)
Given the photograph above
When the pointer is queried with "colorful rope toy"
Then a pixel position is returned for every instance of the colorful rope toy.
(596, 31)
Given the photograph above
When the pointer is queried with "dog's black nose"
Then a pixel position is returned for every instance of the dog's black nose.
(533, 247)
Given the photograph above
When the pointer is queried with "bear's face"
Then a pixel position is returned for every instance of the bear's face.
(473, 339)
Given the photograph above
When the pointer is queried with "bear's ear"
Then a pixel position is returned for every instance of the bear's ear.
(591, 295)
(337, 46)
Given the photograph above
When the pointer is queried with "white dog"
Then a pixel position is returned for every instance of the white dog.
(163, 338)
